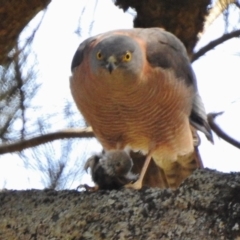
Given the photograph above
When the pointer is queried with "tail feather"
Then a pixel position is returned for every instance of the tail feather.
(198, 118)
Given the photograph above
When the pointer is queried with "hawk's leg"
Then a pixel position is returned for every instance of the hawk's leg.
(138, 184)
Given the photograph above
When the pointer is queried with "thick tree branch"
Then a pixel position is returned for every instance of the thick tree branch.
(214, 43)
(219, 131)
(206, 206)
(35, 141)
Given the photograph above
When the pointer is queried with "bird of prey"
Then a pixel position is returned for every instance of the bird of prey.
(110, 170)
(137, 90)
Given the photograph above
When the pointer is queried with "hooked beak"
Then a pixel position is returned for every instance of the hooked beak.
(111, 64)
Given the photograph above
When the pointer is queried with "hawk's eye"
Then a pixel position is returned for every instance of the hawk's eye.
(127, 57)
(99, 55)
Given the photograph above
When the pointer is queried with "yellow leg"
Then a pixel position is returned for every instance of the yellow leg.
(138, 184)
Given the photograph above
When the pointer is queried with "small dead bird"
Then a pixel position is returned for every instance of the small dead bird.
(110, 170)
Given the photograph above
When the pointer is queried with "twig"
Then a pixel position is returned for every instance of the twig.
(219, 131)
(214, 43)
(35, 141)
(237, 4)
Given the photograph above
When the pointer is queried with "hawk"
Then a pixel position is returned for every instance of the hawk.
(138, 91)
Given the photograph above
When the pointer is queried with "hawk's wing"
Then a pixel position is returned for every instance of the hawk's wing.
(164, 50)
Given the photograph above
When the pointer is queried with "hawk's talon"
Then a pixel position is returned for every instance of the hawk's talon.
(136, 185)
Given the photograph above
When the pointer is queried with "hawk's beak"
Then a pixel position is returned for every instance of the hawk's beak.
(111, 64)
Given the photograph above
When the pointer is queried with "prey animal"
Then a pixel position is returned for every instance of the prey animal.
(110, 170)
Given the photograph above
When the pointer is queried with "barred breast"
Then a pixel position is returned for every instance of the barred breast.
(148, 114)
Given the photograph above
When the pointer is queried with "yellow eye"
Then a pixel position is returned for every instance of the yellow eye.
(127, 57)
(99, 55)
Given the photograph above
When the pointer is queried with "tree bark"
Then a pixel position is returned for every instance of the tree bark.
(183, 18)
(14, 16)
(206, 206)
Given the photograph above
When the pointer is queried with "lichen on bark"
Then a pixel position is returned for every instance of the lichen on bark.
(206, 206)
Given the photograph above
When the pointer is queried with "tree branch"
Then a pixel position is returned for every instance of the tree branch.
(207, 203)
(219, 131)
(214, 43)
(35, 141)
(88, 133)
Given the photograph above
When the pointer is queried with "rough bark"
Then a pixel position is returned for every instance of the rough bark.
(14, 16)
(206, 206)
(183, 18)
